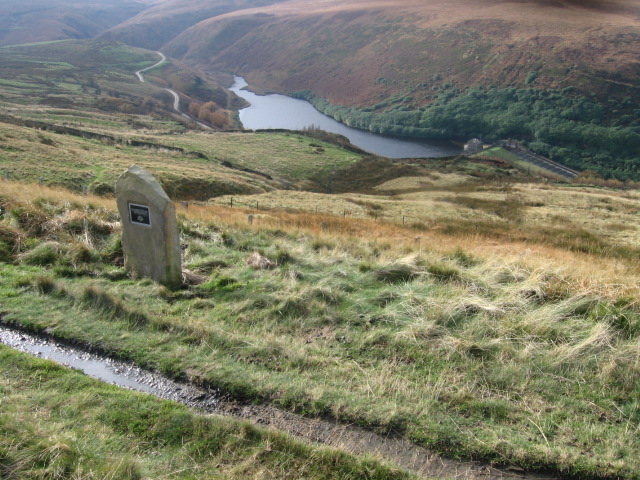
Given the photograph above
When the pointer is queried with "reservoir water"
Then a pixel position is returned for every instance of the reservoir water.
(280, 111)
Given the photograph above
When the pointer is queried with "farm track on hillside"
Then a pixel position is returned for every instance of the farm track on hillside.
(176, 97)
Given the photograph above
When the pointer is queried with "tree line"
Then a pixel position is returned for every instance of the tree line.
(571, 129)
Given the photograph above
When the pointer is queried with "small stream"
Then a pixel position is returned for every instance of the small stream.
(111, 371)
(351, 439)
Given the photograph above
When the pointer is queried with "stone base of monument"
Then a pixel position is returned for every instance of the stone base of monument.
(150, 234)
(192, 278)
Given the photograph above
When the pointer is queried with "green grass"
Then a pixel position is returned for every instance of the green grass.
(13, 83)
(291, 156)
(73, 162)
(474, 358)
(84, 63)
(59, 424)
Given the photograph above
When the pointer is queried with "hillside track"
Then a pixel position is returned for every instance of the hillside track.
(547, 164)
(348, 438)
(163, 59)
(174, 94)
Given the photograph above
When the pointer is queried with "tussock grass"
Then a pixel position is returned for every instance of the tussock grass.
(47, 285)
(10, 240)
(46, 253)
(97, 298)
(526, 353)
(400, 272)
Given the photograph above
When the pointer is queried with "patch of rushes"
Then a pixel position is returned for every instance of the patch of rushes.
(140, 436)
(473, 355)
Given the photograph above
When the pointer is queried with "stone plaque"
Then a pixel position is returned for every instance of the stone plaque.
(150, 235)
(139, 214)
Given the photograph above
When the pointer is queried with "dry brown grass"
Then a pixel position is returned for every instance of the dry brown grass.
(516, 328)
(27, 192)
(582, 273)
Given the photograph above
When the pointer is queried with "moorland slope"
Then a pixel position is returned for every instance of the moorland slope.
(514, 352)
(27, 21)
(158, 24)
(352, 53)
(559, 75)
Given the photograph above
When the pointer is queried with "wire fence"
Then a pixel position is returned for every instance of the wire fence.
(255, 207)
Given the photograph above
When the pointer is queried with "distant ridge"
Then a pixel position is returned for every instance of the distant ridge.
(158, 24)
(28, 21)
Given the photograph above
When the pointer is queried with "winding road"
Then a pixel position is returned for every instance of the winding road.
(176, 97)
(162, 60)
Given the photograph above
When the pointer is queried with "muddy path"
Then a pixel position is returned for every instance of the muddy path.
(324, 432)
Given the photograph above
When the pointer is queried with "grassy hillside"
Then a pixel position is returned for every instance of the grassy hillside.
(466, 201)
(513, 352)
(561, 75)
(161, 21)
(458, 303)
(195, 166)
(57, 423)
(74, 162)
(27, 21)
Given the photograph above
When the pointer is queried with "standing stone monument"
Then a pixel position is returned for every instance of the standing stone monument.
(150, 235)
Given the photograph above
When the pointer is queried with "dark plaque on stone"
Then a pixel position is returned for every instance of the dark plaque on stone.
(139, 214)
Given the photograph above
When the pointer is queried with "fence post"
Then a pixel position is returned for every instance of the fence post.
(231, 202)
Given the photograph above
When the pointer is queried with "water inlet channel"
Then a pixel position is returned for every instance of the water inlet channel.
(351, 439)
